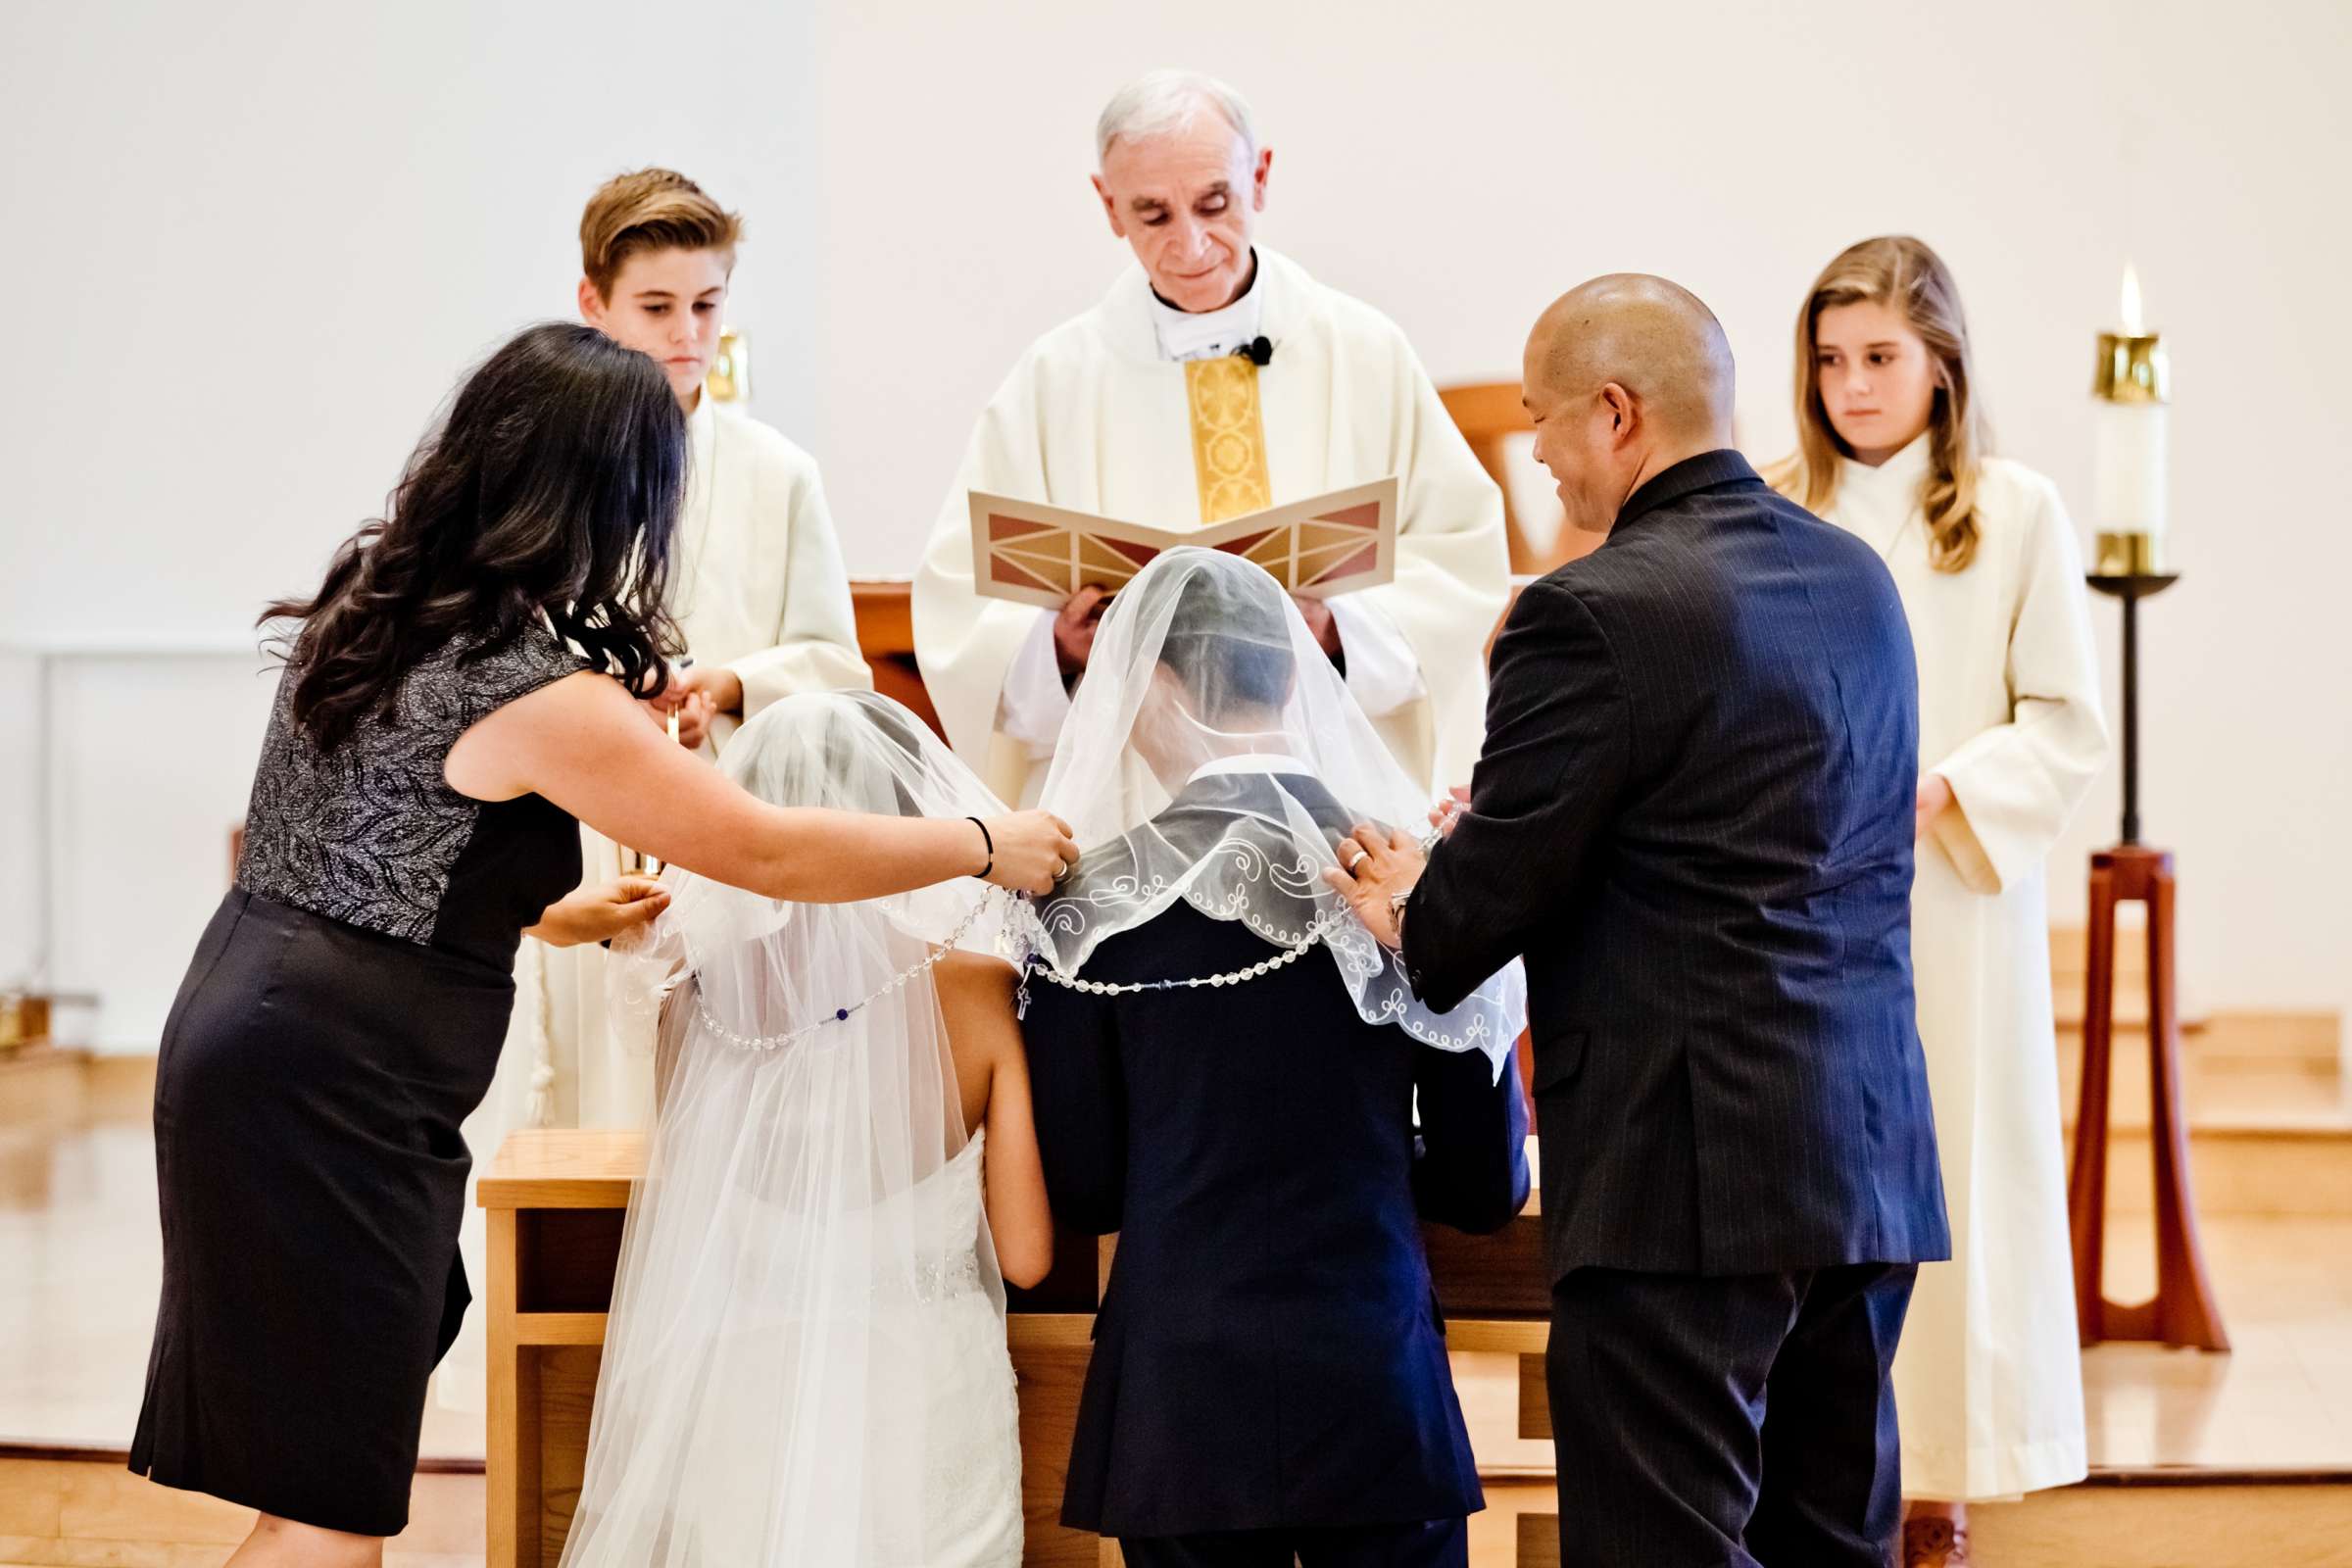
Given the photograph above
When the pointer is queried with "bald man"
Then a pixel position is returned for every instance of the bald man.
(1693, 818)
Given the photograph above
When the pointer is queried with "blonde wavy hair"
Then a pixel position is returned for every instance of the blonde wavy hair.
(1905, 275)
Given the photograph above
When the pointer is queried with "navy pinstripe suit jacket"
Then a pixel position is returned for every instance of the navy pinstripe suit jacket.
(1693, 821)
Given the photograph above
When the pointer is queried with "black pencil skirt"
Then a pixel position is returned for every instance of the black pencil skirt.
(308, 1097)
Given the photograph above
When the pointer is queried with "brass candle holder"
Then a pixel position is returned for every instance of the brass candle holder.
(2127, 553)
(2132, 368)
(730, 377)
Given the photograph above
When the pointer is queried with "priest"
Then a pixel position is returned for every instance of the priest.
(1216, 379)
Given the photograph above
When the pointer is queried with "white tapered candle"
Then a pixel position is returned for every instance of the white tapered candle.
(2128, 490)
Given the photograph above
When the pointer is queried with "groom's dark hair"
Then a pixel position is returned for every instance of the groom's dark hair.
(899, 727)
(1229, 643)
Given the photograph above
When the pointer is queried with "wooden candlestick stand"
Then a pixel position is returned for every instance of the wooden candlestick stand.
(2182, 1311)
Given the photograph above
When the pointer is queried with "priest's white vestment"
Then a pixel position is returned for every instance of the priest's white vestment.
(1131, 412)
(1988, 1378)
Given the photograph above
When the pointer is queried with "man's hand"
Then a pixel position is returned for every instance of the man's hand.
(1447, 812)
(697, 695)
(1074, 630)
(721, 685)
(1935, 799)
(601, 913)
(692, 711)
(1374, 867)
(1320, 622)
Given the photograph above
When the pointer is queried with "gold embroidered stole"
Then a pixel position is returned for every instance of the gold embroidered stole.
(1229, 437)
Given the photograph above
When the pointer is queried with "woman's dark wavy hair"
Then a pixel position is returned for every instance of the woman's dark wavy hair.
(552, 486)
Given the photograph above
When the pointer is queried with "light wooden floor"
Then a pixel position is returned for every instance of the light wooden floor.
(79, 1265)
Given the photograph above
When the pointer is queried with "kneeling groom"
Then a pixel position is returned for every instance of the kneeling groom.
(1225, 1067)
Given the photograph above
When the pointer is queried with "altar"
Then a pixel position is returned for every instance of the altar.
(555, 1203)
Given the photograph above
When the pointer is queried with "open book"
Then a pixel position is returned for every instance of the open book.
(1034, 554)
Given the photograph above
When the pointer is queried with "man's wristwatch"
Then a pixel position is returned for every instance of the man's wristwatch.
(1397, 904)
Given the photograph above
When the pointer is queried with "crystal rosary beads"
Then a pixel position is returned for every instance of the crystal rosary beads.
(1264, 966)
(911, 972)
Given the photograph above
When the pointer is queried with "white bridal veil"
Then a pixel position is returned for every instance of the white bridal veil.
(1213, 753)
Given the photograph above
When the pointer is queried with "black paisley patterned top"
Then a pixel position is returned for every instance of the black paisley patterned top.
(373, 836)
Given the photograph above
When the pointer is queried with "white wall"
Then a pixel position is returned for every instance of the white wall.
(303, 221)
(251, 248)
(248, 251)
(150, 761)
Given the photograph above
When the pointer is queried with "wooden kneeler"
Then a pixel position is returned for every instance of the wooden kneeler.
(556, 1201)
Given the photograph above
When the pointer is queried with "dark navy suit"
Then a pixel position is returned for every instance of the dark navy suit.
(1694, 819)
(1269, 1371)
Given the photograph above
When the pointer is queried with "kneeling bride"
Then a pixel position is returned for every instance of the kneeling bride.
(805, 1362)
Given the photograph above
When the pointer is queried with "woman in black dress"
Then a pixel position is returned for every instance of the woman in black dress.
(463, 686)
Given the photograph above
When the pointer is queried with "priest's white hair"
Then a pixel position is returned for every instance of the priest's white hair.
(1160, 101)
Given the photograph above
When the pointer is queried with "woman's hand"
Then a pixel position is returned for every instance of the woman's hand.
(696, 696)
(689, 709)
(601, 913)
(1033, 850)
(1935, 799)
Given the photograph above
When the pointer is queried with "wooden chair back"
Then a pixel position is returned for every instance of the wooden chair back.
(1490, 415)
(885, 611)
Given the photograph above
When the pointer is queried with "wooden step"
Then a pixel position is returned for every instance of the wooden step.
(2173, 1519)
(2301, 1167)
(2115, 1519)
(2266, 1031)
(2273, 1037)
(2235, 1086)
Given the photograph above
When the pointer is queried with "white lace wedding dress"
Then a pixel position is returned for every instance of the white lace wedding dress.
(939, 1467)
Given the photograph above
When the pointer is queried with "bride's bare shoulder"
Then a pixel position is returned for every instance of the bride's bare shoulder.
(975, 981)
(975, 1002)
